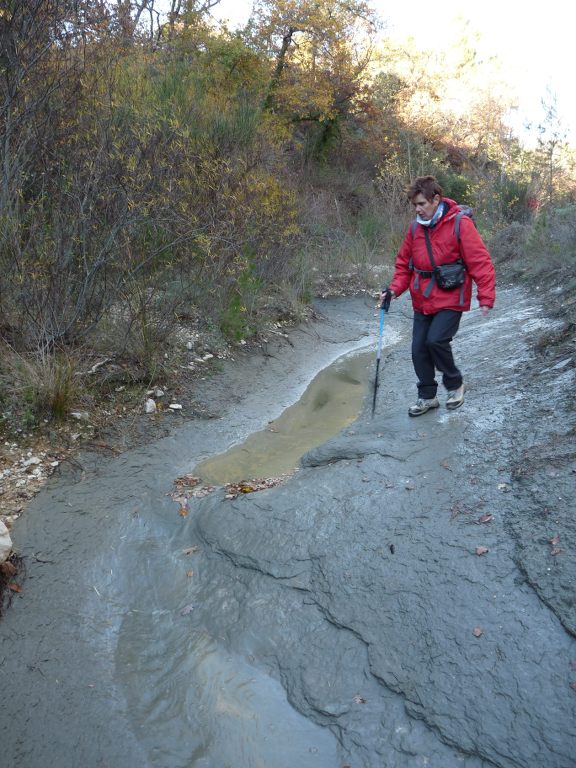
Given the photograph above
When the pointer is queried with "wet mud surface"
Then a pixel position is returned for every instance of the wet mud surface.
(405, 599)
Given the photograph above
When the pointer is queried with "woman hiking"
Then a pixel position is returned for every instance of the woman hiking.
(441, 235)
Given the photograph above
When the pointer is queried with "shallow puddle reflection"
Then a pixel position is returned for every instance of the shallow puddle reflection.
(331, 402)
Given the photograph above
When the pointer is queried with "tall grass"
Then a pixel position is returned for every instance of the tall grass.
(41, 384)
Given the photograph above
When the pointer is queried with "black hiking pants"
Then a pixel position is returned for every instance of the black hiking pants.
(431, 351)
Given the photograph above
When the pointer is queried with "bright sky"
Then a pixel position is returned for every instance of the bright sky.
(534, 41)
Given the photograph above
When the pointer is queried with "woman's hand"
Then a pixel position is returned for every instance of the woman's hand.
(386, 296)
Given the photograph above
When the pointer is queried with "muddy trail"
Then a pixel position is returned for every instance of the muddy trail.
(404, 599)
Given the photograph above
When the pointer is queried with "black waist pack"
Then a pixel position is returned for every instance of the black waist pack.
(449, 276)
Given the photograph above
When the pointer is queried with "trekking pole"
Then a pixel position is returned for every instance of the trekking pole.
(378, 354)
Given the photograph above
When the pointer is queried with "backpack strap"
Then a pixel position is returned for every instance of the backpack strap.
(463, 210)
(428, 289)
(457, 224)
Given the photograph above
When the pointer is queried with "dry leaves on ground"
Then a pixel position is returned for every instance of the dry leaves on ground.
(485, 519)
(233, 490)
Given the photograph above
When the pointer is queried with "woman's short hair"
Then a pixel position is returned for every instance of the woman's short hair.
(424, 185)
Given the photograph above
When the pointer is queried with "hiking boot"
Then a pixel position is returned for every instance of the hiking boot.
(422, 406)
(455, 398)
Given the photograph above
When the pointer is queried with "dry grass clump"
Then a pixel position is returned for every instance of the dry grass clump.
(39, 384)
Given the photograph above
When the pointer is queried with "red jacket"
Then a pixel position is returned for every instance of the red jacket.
(446, 248)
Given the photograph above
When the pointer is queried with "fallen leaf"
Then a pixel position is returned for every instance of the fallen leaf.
(485, 519)
(359, 700)
(189, 574)
(190, 481)
(14, 587)
(556, 551)
(202, 491)
(183, 512)
(190, 551)
(251, 486)
(445, 465)
(410, 486)
(8, 568)
(477, 631)
(573, 664)
(554, 541)
(573, 686)
(187, 609)
(481, 550)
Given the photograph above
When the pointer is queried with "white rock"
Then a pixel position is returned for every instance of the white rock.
(30, 461)
(175, 406)
(189, 345)
(207, 356)
(80, 415)
(159, 392)
(5, 543)
(150, 406)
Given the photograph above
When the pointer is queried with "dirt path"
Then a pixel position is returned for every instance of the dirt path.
(356, 585)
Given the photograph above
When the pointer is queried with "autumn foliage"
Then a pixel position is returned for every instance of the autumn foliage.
(154, 166)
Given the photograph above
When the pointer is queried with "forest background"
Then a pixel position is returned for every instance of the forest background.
(169, 187)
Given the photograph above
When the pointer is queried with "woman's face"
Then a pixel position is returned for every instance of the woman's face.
(425, 208)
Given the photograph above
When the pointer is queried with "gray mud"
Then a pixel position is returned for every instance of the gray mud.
(331, 620)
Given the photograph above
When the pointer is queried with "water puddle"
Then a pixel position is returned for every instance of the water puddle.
(212, 707)
(331, 402)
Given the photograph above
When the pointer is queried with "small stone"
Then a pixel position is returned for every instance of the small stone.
(31, 461)
(175, 407)
(159, 392)
(5, 543)
(150, 406)
(80, 415)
